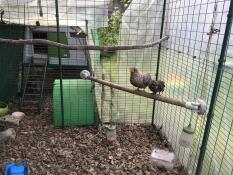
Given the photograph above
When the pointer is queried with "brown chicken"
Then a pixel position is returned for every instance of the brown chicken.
(156, 86)
(139, 79)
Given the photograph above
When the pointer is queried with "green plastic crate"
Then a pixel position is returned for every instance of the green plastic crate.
(78, 102)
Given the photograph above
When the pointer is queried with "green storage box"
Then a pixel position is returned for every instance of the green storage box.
(78, 102)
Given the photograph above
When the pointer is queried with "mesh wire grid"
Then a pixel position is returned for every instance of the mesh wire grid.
(188, 65)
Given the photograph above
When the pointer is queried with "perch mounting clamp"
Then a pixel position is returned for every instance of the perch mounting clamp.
(199, 106)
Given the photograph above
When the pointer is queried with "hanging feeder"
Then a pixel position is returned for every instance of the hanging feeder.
(186, 137)
(111, 132)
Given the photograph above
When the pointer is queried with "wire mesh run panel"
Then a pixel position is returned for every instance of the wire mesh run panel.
(78, 103)
(188, 63)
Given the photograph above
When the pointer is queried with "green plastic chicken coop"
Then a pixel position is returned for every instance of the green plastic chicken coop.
(78, 103)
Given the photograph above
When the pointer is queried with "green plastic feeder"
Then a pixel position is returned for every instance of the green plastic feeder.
(3, 108)
(78, 103)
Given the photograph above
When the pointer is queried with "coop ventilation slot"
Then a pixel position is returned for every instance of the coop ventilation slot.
(40, 48)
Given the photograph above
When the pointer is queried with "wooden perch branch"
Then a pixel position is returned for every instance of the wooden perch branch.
(199, 106)
(79, 47)
(140, 93)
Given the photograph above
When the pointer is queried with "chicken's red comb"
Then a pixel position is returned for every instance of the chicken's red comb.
(130, 69)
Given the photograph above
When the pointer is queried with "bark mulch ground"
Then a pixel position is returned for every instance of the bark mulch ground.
(83, 150)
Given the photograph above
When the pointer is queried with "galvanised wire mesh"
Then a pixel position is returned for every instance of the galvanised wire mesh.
(73, 23)
(219, 152)
(188, 65)
(141, 23)
(219, 149)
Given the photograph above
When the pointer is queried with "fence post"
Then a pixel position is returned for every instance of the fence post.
(60, 65)
(217, 82)
(159, 53)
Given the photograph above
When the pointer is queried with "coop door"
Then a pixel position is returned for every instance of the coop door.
(53, 51)
(50, 52)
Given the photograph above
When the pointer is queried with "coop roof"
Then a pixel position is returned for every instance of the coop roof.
(71, 12)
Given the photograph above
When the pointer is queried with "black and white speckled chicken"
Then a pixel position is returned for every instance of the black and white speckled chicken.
(156, 86)
(139, 79)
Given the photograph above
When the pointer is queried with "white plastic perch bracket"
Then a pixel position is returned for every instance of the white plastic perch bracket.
(85, 74)
(199, 106)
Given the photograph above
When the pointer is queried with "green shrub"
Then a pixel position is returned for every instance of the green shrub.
(110, 35)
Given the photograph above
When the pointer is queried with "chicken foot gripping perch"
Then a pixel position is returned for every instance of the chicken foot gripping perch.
(199, 106)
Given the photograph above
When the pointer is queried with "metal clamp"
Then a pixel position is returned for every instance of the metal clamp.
(213, 31)
(199, 106)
